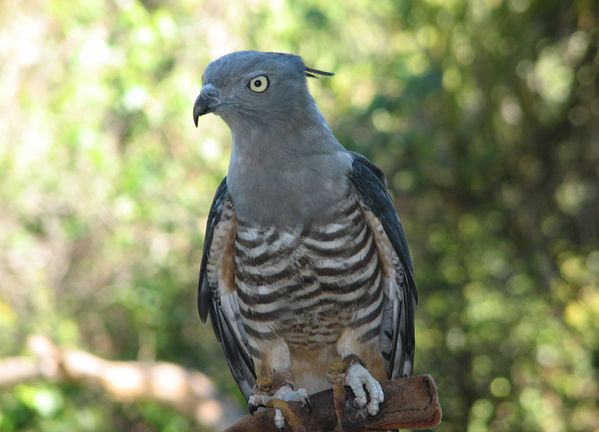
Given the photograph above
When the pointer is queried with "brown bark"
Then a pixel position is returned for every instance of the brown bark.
(410, 403)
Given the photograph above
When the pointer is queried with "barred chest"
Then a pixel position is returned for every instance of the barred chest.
(307, 284)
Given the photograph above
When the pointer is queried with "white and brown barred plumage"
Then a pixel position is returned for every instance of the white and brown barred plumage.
(307, 284)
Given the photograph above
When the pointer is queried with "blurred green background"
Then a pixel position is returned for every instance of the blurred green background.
(484, 114)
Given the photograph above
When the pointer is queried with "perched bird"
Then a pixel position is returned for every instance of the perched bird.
(305, 261)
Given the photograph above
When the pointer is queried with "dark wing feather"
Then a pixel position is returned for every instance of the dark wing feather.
(224, 310)
(398, 311)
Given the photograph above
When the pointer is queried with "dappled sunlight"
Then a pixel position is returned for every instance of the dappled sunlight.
(124, 381)
(483, 114)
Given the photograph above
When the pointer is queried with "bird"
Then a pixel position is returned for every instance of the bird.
(305, 261)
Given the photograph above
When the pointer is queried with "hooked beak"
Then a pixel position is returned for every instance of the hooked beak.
(205, 103)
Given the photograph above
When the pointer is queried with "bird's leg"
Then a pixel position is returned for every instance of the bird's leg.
(279, 385)
(275, 391)
(366, 388)
(358, 378)
(275, 386)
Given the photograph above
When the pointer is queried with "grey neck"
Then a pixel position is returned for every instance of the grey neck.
(288, 175)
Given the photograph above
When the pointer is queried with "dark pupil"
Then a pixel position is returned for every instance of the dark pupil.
(258, 83)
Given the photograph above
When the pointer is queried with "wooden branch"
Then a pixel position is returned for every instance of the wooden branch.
(409, 403)
(189, 392)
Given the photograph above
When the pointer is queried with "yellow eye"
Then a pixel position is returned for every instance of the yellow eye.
(259, 83)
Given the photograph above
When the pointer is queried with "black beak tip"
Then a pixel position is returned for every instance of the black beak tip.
(197, 109)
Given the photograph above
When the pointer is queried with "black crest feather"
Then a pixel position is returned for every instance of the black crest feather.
(310, 72)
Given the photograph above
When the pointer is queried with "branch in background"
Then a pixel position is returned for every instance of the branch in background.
(189, 392)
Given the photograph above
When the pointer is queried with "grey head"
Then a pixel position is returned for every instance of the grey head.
(285, 157)
(255, 89)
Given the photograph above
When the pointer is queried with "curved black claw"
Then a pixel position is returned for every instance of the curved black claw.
(253, 408)
(307, 402)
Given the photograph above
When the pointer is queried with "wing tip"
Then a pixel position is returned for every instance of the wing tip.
(203, 307)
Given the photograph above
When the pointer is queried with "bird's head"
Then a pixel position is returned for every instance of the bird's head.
(255, 88)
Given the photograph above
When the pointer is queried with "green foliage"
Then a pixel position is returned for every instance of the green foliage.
(483, 114)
